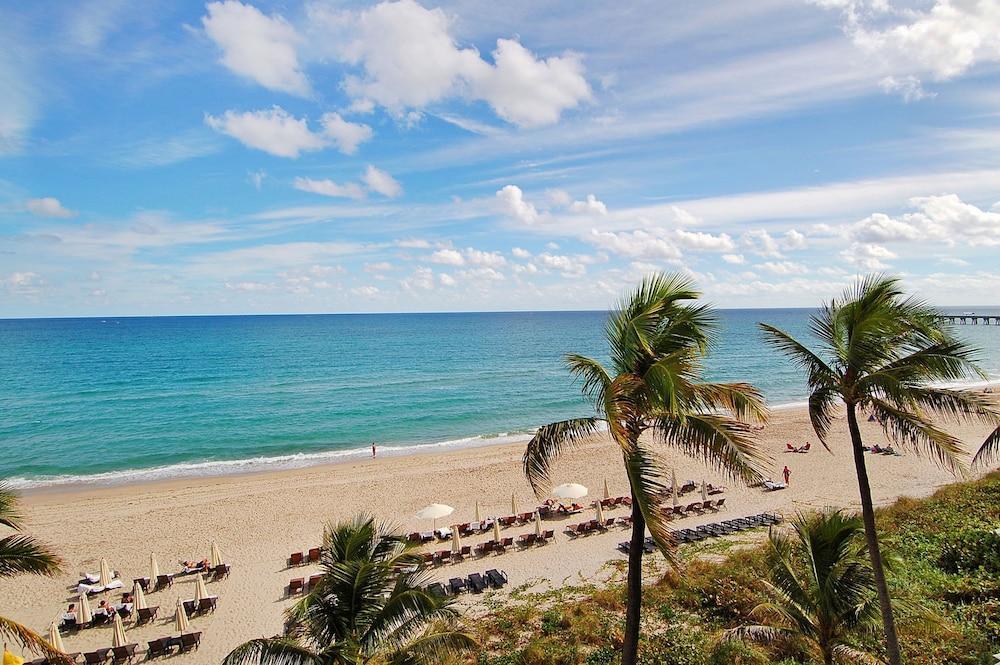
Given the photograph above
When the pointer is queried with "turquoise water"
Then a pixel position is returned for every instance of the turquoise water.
(114, 400)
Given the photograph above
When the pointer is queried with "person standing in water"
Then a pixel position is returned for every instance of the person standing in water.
(373, 450)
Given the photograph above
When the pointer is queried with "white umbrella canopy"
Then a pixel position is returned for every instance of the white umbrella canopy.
(154, 568)
(478, 515)
(435, 511)
(538, 524)
(704, 490)
(496, 530)
(569, 491)
(83, 613)
(55, 639)
(139, 597)
(119, 639)
(600, 513)
(200, 592)
(106, 575)
(216, 557)
(456, 539)
(181, 618)
(607, 492)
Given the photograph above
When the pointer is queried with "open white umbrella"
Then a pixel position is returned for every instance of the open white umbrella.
(55, 639)
(607, 492)
(216, 557)
(538, 524)
(569, 491)
(513, 504)
(600, 513)
(118, 639)
(181, 618)
(704, 490)
(83, 613)
(478, 516)
(496, 530)
(435, 511)
(200, 592)
(154, 568)
(106, 575)
(139, 597)
(456, 540)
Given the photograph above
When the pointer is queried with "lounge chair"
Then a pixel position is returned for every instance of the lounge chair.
(496, 578)
(625, 547)
(69, 623)
(295, 559)
(772, 486)
(158, 648)
(427, 536)
(143, 583)
(693, 507)
(414, 537)
(482, 549)
(313, 581)
(548, 535)
(719, 503)
(220, 572)
(163, 582)
(208, 604)
(509, 520)
(525, 517)
(526, 539)
(314, 555)
(476, 583)
(146, 614)
(190, 607)
(457, 585)
(190, 642)
(191, 570)
(679, 511)
(125, 654)
(437, 589)
(99, 656)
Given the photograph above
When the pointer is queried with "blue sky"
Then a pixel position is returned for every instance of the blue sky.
(322, 156)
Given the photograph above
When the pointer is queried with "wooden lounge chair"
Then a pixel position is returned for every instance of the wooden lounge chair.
(158, 648)
(525, 517)
(679, 511)
(693, 507)
(69, 624)
(296, 559)
(548, 535)
(190, 607)
(313, 581)
(476, 583)
(100, 656)
(143, 583)
(482, 549)
(146, 614)
(207, 604)
(496, 578)
(296, 585)
(526, 539)
(314, 555)
(415, 537)
(437, 589)
(707, 504)
(125, 654)
(457, 585)
(190, 642)
(163, 582)
(719, 503)
(220, 572)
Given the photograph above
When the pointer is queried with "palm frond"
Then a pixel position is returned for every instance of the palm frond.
(916, 431)
(29, 640)
(20, 553)
(742, 400)
(852, 654)
(822, 404)
(820, 374)
(759, 634)
(10, 515)
(271, 651)
(989, 452)
(646, 475)
(548, 443)
(595, 377)
(430, 647)
(723, 443)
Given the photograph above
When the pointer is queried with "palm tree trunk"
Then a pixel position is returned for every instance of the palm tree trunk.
(871, 537)
(630, 649)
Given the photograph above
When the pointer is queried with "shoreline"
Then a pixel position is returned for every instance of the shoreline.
(213, 469)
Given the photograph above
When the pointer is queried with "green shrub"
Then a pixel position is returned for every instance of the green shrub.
(674, 646)
(605, 655)
(971, 550)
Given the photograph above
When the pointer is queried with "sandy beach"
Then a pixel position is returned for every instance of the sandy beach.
(257, 520)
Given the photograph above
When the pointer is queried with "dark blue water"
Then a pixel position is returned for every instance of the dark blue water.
(110, 400)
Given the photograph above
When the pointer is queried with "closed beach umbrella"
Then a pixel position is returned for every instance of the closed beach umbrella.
(83, 614)
(600, 513)
(216, 558)
(200, 592)
(607, 492)
(435, 511)
(139, 597)
(154, 568)
(478, 518)
(673, 487)
(513, 504)
(569, 491)
(119, 639)
(538, 524)
(704, 490)
(496, 530)
(55, 639)
(181, 618)
(456, 540)
(106, 575)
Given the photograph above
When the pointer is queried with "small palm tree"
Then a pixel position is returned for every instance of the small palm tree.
(822, 590)
(369, 607)
(882, 353)
(658, 337)
(21, 554)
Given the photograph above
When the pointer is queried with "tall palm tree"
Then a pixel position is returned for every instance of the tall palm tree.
(822, 590)
(22, 554)
(883, 353)
(369, 607)
(658, 336)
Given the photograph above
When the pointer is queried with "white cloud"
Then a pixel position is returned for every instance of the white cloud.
(347, 136)
(274, 131)
(421, 278)
(365, 291)
(514, 204)
(256, 178)
(636, 244)
(255, 46)
(867, 256)
(481, 276)
(908, 87)
(760, 242)
(793, 240)
(705, 242)
(381, 182)
(351, 190)
(410, 60)
(558, 197)
(734, 259)
(480, 258)
(446, 279)
(249, 286)
(520, 253)
(22, 280)
(567, 265)
(451, 257)
(590, 206)
(946, 219)
(47, 206)
(783, 268)
(380, 266)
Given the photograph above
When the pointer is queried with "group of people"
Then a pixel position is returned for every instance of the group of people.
(104, 609)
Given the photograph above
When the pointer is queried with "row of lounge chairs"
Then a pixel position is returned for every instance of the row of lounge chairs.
(126, 654)
(166, 581)
(301, 584)
(165, 645)
(611, 502)
(698, 507)
(301, 558)
(474, 583)
(195, 608)
(713, 530)
(593, 526)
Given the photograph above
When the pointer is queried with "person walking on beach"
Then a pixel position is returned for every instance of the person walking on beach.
(787, 473)
(373, 450)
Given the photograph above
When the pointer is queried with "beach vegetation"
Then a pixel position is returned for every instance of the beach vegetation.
(370, 606)
(658, 336)
(884, 355)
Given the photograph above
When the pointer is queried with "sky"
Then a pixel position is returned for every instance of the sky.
(325, 156)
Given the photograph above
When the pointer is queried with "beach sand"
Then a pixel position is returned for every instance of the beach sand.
(257, 520)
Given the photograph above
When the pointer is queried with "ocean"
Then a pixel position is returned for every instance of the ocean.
(115, 400)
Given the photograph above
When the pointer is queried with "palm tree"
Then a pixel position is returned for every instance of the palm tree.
(369, 607)
(822, 589)
(882, 353)
(21, 554)
(658, 337)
